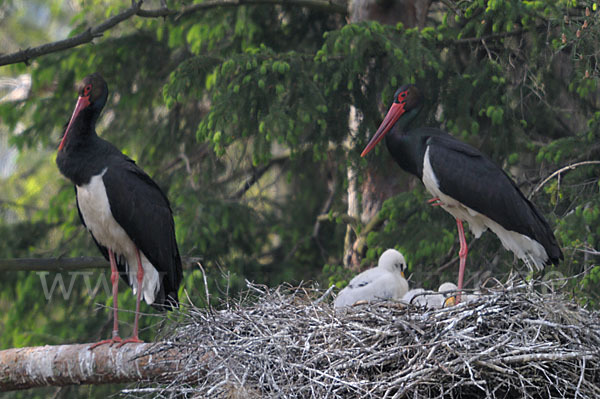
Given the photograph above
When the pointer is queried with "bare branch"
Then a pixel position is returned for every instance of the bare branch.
(333, 6)
(61, 365)
(558, 172)
(85, 37)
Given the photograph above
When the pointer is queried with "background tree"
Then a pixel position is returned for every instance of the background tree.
(241, 114)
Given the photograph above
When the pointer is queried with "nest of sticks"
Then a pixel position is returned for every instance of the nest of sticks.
(289, 342)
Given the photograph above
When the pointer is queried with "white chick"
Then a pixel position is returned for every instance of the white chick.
(385, 281)
(431, 299)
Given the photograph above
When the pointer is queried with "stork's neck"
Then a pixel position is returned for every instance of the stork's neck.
(407, 147)
(406, 119)
(84, 154)
(82, 129)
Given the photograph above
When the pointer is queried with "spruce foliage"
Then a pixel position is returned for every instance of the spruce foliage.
(241, 115)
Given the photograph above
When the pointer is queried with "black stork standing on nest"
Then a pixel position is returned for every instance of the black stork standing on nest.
(128, 215)
(466, 184)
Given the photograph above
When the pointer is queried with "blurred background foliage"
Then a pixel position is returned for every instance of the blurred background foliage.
(241, 114)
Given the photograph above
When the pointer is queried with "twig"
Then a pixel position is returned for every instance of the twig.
(558, 172)
(205, 283)
(325, 295)
(589, 251)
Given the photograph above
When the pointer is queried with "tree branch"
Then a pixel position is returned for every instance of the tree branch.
(344, 217)
(558, 172)
(361, 240)
(257, 175)
(333, 6)
(85, 37)
(64, 264)
(489, 37)
(61, 365)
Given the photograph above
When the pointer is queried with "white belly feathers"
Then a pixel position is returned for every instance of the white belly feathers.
(95, 209)
(526, 249)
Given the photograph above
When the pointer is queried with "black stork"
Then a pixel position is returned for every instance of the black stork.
(127, 214)
(466, 184)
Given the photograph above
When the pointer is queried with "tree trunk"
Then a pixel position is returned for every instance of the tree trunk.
(377, 186)
(32, 367)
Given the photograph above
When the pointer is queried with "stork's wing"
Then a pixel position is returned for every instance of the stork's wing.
(143, 211)
(370, 285)
(468, 176)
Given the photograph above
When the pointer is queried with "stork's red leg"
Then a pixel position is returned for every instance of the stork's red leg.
(435, 201)
(114, 278)
(140, 279)
(463, 256)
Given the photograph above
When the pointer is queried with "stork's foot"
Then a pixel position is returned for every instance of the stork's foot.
(114, 340)
(131, 340)
(435, 201)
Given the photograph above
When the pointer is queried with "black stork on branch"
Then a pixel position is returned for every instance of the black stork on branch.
(128, 215)
(466, 184)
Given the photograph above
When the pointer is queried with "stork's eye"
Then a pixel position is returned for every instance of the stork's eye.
(401, 96)
(87, 89)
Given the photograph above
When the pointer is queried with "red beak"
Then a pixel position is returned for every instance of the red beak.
(82, 103)
(395, 112)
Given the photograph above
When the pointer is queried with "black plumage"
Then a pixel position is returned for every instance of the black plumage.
(135, 201)
(470, 183)
(467, 175)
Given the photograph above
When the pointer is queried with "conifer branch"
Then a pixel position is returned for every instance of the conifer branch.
(493, 36)
(257, 174)
(26, 55)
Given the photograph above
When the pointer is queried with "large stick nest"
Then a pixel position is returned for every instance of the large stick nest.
(289, 343)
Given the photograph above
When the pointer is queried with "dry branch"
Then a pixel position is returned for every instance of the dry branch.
(285, 342)
(559, 172)
(85, 37)
(61, 365)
